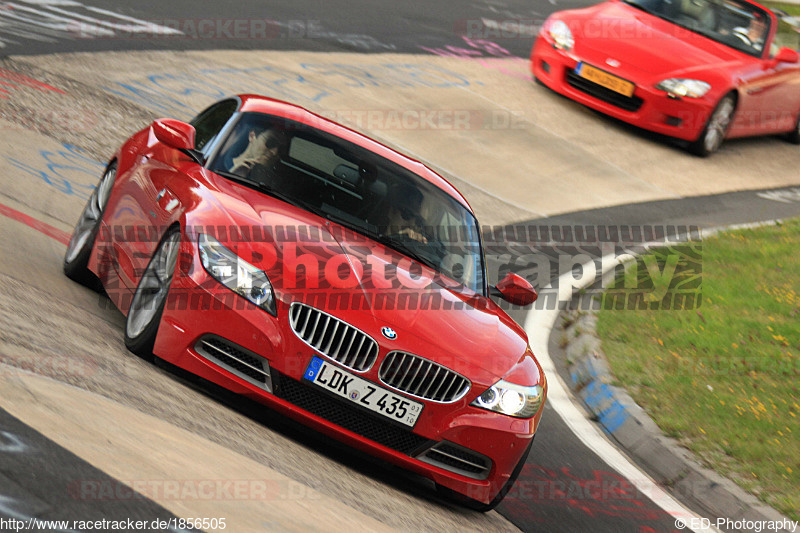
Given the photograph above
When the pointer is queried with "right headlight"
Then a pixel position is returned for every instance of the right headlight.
(510, 399)
(237, 274)
(684, 87)
(561, 35)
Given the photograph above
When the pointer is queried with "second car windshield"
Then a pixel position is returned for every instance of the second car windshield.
(735, 23)
(356, 188)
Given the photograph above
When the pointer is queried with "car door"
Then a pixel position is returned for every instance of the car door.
(153, 199)
(769, 97)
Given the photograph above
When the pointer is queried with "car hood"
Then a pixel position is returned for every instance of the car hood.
(615, 31)
(346, 274)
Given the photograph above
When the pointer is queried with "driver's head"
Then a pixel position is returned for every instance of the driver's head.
(267, 145)
(262, 148)
(758, 25)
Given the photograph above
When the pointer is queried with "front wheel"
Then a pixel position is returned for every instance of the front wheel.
(79, 249)
(713, 134)
(794, 136)
(147, 306)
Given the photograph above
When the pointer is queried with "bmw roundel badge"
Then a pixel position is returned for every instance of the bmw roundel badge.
(389, 333)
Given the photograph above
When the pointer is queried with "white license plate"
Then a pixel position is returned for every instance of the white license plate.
(362, 392)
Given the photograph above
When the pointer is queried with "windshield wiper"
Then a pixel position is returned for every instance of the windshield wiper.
(401, 246)
(263, 188)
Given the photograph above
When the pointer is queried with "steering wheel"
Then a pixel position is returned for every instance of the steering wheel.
(741, 33)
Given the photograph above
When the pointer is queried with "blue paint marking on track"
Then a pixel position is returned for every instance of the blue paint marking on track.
(169, 93)
(57, 169)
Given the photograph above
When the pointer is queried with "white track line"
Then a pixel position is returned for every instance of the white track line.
(539, 325)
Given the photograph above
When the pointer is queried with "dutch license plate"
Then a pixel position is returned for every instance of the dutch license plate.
(362, 392)
(609, 81)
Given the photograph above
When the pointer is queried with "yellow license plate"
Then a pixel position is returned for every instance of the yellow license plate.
(609, 81)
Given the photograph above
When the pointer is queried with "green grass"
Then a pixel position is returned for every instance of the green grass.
(792, 9)
(724, 378)
(787, 35)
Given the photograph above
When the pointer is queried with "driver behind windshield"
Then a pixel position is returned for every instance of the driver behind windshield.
(755, 32)
(259, 158)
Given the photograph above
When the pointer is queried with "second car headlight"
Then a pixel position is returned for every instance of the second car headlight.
(510, 399)
(235, 273)
(561, 35)
(684, 87)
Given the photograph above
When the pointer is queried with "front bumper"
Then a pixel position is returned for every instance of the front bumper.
(463, 448)
(648, 108)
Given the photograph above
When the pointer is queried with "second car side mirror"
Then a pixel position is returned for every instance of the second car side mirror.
(174, 133)
(516, 290)
(787, 55)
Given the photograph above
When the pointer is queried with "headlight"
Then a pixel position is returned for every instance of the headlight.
(561, 35)
(513, 400)
(237, 274)
(684, 87)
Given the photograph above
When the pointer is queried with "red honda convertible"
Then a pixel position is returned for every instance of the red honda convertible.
(294, 261)
(698, 70)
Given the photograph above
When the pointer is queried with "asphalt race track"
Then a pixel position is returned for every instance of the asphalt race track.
(526, 158)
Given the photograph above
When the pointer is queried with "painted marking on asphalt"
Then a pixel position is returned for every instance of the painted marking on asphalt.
(10, 443)
(538, 326)
(312, 82)
(786, 196)
(54, 20)
(38, 225)
(14, 80)
(57, 167)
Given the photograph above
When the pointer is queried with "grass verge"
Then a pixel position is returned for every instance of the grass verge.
(723, 378)
(787, 34)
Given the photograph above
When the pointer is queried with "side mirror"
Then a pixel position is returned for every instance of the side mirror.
(174, 133)
(787, 55)
(517, 290)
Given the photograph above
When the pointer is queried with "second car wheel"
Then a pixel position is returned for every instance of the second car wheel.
(716, 128)
(147, 306)
(794, 136)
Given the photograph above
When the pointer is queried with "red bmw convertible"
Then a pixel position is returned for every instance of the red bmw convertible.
(698, 70)
(294, 261)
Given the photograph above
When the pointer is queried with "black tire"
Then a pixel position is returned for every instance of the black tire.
(794, 136)
(713, 134)
(147, 305)
(464, 501)
(79, 249)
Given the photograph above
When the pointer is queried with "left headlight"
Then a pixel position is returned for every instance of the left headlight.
(510, 399)
(561, 35)
(684, 87)
(235, 273)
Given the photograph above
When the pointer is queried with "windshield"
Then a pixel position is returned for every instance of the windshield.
(354, 187)
(736, 23)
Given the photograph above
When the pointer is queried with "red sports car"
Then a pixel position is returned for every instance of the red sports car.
(698, 70)
(294, 261)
